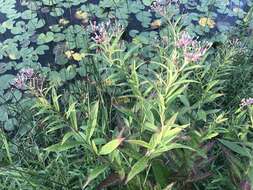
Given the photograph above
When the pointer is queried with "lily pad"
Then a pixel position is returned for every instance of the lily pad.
(5, 81)
(45, 38)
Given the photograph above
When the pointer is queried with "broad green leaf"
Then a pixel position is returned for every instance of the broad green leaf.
(169, 135)
(67, 136)
(110, 146)
(138, 167)
(3, 114)
(94, 174)
(161, 172)
(5, 81)
(9, 125)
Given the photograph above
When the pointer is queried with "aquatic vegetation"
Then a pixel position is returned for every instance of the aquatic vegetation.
(204, 21)
(74, 55)
(126, 94)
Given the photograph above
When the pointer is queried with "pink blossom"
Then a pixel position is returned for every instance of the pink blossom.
(22, 77)
(102, 32)
(185, 40)
(246, 102)
(27, 72)
(245, 185)
(19, 82)
(160, 6)
(192, 56)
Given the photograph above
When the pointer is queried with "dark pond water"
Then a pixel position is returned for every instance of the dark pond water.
(138, 22)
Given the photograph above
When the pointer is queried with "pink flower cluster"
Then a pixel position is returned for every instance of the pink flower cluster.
(103, 31)
(99, 31)
(22, 77)
(185, 40)
(159, 6)
(245, 185)
(193, 49)
(246, 102)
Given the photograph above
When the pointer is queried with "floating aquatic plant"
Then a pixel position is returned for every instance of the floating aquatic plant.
(70, 54)
(204, 21)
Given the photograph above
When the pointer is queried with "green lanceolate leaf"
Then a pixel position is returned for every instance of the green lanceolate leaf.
(55, 100)
(94, 174)
(6, 145)
(110, 146)
(235, 147)
(63, 147)
(169, 147)
(92, 121)
(140, 143)
(137, 168)
(71, 114)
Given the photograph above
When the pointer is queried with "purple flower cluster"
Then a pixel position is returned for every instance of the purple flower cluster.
(246, 102)
(193, 49)
(22, 77)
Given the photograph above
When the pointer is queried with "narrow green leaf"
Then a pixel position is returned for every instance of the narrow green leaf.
(93, 120)
(59, 147)
(140, 142)
(236, 147)
(55, 100)
(6, 145)
(169, 147)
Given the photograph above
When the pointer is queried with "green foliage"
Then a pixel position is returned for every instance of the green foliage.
(124, 115)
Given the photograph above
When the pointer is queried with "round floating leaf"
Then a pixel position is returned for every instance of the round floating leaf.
(40, 50)
(133, 33)
(8, 24)
(3, 114)
(144, 17)
(5, 81)
(9, 125)
(147, 2)
(45, 38)
(57, 12)
(28, 14)
(16, 96)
